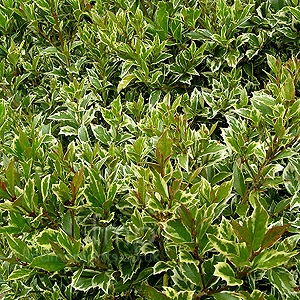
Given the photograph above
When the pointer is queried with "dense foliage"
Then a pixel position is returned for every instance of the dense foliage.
(149, 149)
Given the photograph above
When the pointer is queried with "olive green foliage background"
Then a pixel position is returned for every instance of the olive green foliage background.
(149, 149)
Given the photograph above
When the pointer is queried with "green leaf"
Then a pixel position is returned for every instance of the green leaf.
(78, 179)
(279, 127)
(161, 266)
(18, 246)
(20, 273)
(224, 191)
(219, 177)
(271, 258)
(50, 263)
(68, 130)
(243, 232)
(294, 109)
(226, 296)
(183, 161)
(70, 225)
(76, 275)
(57, 249)
(144, 274)
(10, 176)
(27, 165)
(263, 102)
(95, 192)
(237, 253)
(84, 282)
(186, 216)
(213, 147)
(200, 34)
(127, 270)
(83, 134)
(288, 90)
(242, 209)
(224, 270)
(116, 106)
(287, 153)
(255, 295)
(44, 238)
(257, 225)
(124, 82)
(8, 205)
(50, 50)
(162, 17)
(191, 273)
(102, 280)
(203, 219)
(62, 192)
(296, 12)
(45, 186)
(284, 282)
(163, 149)
(277, 4)
(110, 196)
(137, 219)
(177, 231)
(232, 141)
(295, 201)
(17, 220)
(272, 63)
(238, 180)
(150, 292)
(29, 195)
(160, 185)
(101, 134)
(62, 116)
(72, 246)
(182, 295)
(154, 97)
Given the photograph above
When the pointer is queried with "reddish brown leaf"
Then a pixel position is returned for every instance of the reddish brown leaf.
(273, 235)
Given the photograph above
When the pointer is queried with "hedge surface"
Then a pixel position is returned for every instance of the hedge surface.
(149, 149)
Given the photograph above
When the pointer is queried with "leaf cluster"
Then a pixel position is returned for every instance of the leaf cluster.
(149, 149)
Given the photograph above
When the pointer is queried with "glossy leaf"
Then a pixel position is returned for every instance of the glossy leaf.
(238, 180)
(48, 263)
(224, 270)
